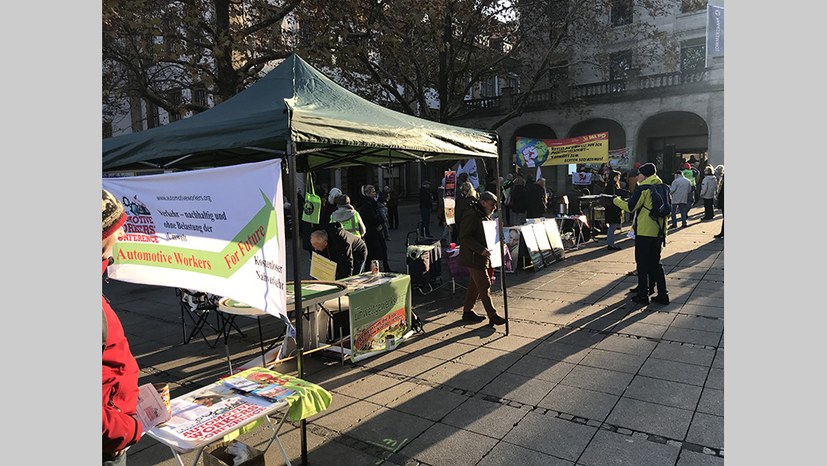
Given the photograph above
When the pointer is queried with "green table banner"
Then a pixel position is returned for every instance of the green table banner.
(380, 316)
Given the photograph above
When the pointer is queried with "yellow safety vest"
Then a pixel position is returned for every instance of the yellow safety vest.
(351, 225)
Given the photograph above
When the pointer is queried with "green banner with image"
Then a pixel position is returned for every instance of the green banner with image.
(380, 316)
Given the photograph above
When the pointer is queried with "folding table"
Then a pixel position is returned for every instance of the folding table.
(194, 425)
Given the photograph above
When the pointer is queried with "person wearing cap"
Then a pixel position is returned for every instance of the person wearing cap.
(119, 387)
(648, 241)
(474, 254)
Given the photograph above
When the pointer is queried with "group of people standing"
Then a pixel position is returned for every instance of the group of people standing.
(354, 235)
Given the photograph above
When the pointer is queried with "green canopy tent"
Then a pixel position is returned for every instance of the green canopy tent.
(296, 112)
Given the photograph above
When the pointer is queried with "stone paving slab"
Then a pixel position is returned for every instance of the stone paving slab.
(683, 353)
(623, 344)
(580, 402)
(712, 402)
(541, 368)
(560, 352)
(551, 435)
(664, 392)
(611, 448)
(651, 418)
(691, 458)
(515, 387)
(443, 444)
(619, 362)
(389, 429)
(698, 337)
(675, 371)
(504, 454)
(489, 418)
(599, 380)
(707, 429)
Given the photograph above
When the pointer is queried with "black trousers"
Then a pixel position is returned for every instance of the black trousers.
(709, 209)
(649, 268)
(393, 217)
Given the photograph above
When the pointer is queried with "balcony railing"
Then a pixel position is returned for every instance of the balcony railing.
(603, 89)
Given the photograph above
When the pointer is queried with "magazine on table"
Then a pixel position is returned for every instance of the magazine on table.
(260, 382)
(202, 413)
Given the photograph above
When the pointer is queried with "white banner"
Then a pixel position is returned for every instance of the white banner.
(217, 230)
(493, 242)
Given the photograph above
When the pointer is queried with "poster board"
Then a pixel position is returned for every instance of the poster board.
(450, 183)
(512, 243)
(322, 268)
(554, 239)
(532, 248)
(380, 314)
(543, 242)
(448, 207)
(492, 242)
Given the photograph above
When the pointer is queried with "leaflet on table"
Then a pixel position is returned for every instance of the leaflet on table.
(206, 412)
(366, 279)
(261, 382)
(151, 410)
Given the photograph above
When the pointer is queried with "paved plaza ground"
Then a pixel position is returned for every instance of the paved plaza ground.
(584, 376)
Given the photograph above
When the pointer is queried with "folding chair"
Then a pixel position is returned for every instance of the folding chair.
(196, 306)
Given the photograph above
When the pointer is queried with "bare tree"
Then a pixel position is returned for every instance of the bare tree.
(152, 49)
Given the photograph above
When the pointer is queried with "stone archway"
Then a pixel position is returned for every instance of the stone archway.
(668, 139)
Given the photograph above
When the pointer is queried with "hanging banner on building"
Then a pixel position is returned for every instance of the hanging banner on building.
(592, 148)
(714, 32)
(216, 230)
(380, 316)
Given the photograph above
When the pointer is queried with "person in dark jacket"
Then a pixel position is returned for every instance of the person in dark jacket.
(426, 204)
(474, 254)
(347, 250)
(613, 212)
(518, 199)
(467, 196)
(374, 224)
(121, 428)
(536, 199)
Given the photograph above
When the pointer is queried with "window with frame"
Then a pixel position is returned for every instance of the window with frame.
(619, 65)
(174, 98)
(199, 96)
(693, 55)
(621, 12)
(153, 119)
(690, 6)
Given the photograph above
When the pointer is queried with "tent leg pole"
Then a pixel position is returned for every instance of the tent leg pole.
(297, 283)
(500, 229)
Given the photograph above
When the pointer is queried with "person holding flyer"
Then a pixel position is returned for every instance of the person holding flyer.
(474, 255)
(121, 428)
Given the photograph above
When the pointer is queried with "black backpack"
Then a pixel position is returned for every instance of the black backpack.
(661, 206)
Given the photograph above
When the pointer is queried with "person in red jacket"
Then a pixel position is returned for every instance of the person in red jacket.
(120, 370)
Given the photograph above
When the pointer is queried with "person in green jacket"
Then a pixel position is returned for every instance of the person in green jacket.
(348, 217)
(648, 239)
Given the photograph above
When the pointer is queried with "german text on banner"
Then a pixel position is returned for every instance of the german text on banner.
(591, 148)
(217, 230)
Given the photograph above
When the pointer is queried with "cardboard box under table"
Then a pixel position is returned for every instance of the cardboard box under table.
(219, 413)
